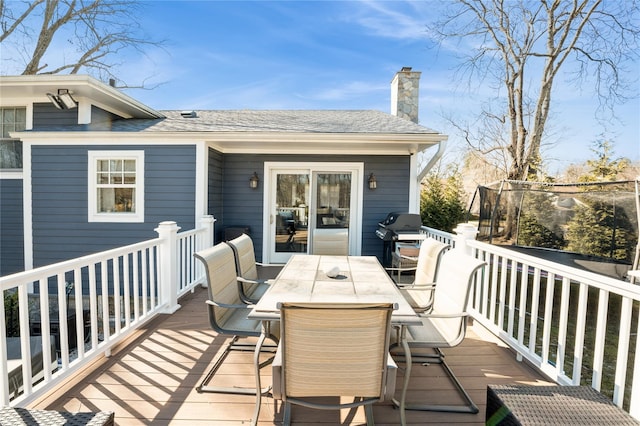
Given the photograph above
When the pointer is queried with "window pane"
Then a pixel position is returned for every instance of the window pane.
(21, 115)
(106, 200)
(124, 200)
(129, 165)
(103, 178)
(9, 115)
(116, 165)
(130, 178)
(103, 165)
(116, 179)
(116, 200)
(10, 154)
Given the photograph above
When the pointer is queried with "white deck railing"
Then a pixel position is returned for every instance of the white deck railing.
(93, 302)
(577, 327)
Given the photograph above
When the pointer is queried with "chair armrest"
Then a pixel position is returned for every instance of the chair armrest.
(456, 315)
(225, 305)
(266, 265)
(419, 287)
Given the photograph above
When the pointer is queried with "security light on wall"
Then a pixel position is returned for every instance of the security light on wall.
(55, 101)
(63, 100)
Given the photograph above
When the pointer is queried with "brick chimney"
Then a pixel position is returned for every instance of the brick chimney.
(404, 94)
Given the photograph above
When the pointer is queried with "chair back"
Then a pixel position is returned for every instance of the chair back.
(455, 276)
(331, 241)
(334, 349)
(431, 251)
(245, 257)
(219, 264)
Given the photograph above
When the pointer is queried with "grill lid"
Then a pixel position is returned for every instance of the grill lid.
(402, 222)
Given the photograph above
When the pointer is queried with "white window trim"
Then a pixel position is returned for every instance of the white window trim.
(94, 215)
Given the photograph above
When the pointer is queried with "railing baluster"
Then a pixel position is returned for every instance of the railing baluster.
(513, 278)
(578, 349)
(547, 320)
(600, 338)
(104, 286)
(117, 314)
(623, 351)
(62, 320)
(562, 327)
(522, 306)
(25, 346)
(535, 302)
(502, 291)
(93, 305)
(126, 283)
(77, 296)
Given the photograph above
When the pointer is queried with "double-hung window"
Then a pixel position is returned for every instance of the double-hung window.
(11, 120)
(116, 186)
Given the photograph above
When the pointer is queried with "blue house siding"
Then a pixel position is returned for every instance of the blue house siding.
(45, 114)
(11, 227)
(59, 200)
(244, 206)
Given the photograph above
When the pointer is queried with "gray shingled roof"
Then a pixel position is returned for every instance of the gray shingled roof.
(287, 121)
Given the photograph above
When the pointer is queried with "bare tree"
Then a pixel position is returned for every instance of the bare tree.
(94, 31)
(520, 47)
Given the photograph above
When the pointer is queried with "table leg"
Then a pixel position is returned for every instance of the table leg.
(256, 361)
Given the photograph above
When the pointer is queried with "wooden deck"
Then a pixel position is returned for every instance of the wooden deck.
(152, 379)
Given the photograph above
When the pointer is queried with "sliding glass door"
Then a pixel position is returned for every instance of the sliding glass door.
(306, 200)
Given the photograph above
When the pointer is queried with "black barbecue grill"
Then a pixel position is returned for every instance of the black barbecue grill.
(398, 227)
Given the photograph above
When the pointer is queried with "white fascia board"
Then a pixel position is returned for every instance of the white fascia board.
(255, 143)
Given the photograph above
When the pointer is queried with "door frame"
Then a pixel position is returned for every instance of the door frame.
(357, 188)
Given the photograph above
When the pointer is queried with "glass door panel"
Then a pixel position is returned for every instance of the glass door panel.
(292, 212)
(333, 200)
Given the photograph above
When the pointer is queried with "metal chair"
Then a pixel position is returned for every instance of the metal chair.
(331, 350)
(419, 293)
(227, 312)
(250, 285)
(446, 324)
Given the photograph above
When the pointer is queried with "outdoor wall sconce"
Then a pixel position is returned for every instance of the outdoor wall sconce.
(253, 181)
(373, 184)
(63, 100)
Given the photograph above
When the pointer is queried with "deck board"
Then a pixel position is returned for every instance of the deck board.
(152, 379)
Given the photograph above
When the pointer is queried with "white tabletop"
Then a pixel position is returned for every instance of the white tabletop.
(361, 279)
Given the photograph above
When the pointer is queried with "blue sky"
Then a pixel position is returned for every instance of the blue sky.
(334, 55)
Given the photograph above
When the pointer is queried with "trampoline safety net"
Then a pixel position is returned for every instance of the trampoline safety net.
(591, 219)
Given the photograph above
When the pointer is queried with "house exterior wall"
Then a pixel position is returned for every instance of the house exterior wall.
(45, 114)
(244, 206)
(11, 227)
(61, 229)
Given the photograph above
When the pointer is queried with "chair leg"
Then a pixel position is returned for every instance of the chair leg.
(438, 358)
(231, 346)
(286, 416)
(368, 412)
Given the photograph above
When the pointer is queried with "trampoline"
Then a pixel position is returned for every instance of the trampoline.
(591, 226)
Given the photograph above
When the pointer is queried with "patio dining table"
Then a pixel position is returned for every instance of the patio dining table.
(333, 279)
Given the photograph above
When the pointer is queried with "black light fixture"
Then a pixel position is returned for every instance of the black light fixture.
(253, 181)
(63, 100)
(373, 183)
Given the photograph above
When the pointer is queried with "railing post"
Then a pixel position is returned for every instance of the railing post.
(204, 242)
(168, 268)
(207, 222)
(464, 232)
